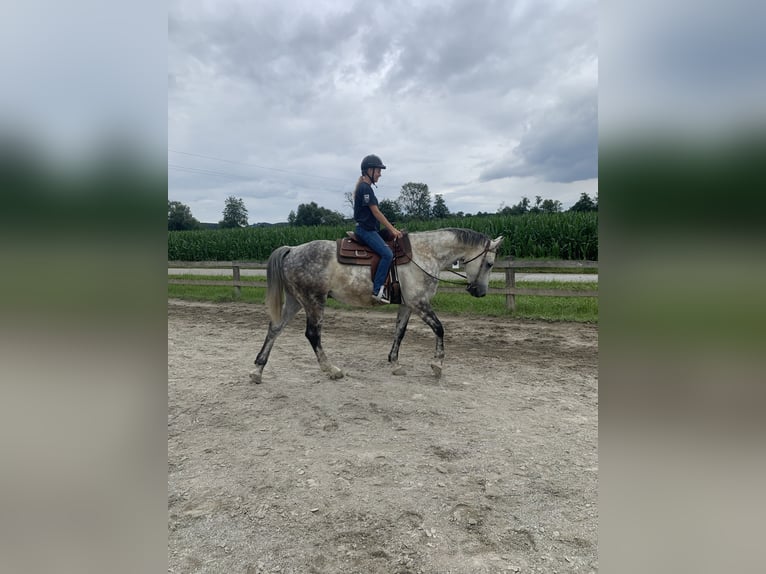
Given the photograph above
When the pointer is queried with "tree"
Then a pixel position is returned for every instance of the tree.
(349, 197)
(234, 213)
(536, 208)
(585, 203)
(313, 214)
(415, 200)
(180, 217)
(520, 208)
(390, 209)
(550, 206)
(440, 209)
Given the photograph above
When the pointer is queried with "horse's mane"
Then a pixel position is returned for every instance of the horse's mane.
(469, 237)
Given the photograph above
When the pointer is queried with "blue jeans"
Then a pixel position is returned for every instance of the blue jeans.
(374, 241)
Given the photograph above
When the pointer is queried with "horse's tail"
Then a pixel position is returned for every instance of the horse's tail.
(275, 280)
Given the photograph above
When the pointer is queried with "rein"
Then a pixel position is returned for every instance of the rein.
(483, 253)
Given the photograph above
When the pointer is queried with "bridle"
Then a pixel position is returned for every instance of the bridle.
(482, 254)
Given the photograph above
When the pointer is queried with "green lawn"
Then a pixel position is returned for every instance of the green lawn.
(577, 309)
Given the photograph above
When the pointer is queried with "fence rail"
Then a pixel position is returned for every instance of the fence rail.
(510, 267)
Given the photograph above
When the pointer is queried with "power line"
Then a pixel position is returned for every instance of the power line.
(205, 171)
(291, 172)
(232, 176)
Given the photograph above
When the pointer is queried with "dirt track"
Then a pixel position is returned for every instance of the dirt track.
(492, 468)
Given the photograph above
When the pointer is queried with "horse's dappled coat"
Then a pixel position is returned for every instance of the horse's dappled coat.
(304, 276)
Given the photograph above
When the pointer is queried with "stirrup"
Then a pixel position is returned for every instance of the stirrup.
(380, 296)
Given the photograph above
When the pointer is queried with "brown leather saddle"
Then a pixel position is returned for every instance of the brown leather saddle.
(351, 251)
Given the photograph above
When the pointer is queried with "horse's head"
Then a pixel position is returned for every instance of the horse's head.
(479, 266)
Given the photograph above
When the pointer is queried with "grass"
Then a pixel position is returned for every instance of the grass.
(558, 270)
(575, 309)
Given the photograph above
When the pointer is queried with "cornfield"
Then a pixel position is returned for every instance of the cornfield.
(533, 236)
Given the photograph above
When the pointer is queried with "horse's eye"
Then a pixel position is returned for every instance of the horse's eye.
(489, 265)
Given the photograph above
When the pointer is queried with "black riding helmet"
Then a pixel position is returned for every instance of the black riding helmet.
(371, 161)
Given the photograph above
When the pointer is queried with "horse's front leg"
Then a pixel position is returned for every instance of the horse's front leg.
(426, 313)
(314, 335)
(402, 318)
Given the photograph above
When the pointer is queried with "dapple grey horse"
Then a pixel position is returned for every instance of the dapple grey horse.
(304, 276)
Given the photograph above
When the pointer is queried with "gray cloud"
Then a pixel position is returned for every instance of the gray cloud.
(559, 145)
(449, 94)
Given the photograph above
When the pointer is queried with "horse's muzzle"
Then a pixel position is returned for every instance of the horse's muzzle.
(475, 290)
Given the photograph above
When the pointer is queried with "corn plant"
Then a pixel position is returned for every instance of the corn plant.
(546, 235)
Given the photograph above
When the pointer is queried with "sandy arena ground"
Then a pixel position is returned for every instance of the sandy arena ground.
(492, 468)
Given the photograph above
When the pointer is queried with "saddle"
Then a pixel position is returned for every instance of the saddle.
(352, 251)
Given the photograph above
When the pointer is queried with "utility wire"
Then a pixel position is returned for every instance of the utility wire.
(292, 172)
(206, 171)
(238, 177)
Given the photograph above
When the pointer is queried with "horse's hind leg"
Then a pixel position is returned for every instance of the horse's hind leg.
(402, 318)
(429, 317)
(288, 312)
(314, 315)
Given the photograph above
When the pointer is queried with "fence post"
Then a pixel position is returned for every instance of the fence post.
(510, 281)
(235, 274)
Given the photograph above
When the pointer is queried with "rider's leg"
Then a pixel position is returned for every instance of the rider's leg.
(375, 242)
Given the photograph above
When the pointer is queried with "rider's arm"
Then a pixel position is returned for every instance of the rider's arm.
(384, 221)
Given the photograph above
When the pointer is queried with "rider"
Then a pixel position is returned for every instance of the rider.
(368, 218)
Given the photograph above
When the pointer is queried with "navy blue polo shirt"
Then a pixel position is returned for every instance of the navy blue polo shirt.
(364, 198)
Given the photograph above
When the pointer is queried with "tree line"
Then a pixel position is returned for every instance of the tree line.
(413, 204)
(180, 217)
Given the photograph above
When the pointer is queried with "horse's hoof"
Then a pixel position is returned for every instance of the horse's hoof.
(335, 373)
(398, 370)
(255, 378)
(437, 369)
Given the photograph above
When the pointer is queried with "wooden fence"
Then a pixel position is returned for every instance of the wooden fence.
(510, 267)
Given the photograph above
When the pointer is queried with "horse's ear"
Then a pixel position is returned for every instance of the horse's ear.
(495, 243)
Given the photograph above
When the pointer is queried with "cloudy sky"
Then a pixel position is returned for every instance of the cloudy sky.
(277, 102)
